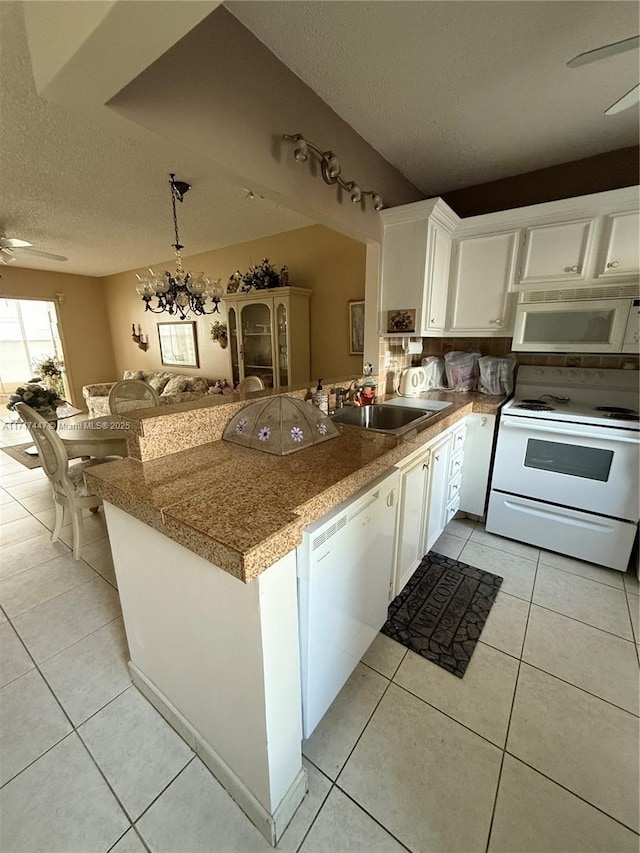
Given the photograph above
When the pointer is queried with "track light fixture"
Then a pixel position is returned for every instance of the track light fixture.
(330, 169)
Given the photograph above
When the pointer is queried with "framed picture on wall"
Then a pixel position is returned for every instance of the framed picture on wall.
(401, 320)
(178, 344)
(356, 328)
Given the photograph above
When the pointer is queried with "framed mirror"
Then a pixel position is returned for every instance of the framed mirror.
(178, 344)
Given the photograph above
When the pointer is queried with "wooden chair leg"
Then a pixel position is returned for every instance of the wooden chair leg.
(57, 527)
(76, 519)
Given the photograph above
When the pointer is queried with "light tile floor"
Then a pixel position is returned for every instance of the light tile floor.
(536, 749)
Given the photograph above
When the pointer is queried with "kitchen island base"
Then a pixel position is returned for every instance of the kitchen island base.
(219, 659)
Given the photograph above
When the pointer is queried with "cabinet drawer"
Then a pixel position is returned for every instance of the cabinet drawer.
(453, 491)
(451, 509)
(455, 463)
(457, 439)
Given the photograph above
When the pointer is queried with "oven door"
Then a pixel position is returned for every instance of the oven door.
(590, 468)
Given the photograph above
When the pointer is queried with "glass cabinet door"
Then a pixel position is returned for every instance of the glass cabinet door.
(257, 343)
(282, 347)
(234, 345)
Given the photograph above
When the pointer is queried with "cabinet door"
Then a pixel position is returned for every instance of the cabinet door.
(621, 251)
(282, 342)
(477, 461)
(410, 538)
(404, 247)
(234, 343)
(438, 487)
(436, 279)
(483, 273)
(257, 341)
(556, 252)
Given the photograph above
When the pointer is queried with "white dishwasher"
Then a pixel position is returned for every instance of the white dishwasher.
(345, 565)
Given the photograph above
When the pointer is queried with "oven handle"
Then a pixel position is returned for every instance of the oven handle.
(571, 432)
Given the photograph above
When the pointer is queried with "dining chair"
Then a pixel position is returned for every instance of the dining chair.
(129, 394)
(67, 481)
(250, 383)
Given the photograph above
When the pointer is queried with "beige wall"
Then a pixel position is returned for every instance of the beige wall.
(82, 316)
(329, 264)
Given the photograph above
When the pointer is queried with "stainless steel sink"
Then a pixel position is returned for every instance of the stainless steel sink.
(393, 420)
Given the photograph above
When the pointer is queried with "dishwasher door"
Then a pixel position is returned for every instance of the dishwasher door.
(345, 565)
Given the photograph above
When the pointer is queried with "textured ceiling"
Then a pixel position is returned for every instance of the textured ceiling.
(458, 93)
(452, 93)
(75, 188)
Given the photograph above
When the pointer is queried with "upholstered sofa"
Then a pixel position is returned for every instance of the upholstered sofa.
(171, 387)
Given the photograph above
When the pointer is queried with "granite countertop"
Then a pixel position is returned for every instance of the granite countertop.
(242, 509)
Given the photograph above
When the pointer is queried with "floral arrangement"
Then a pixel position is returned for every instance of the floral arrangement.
(49, 370)
(43, 400)
(219, 333)
(264, 276)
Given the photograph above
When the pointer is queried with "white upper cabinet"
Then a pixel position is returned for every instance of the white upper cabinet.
(557, 252)
(481, 277)
(620, 255)
(416, 254)
(442, 275)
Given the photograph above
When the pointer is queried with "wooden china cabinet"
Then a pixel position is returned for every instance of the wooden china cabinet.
(269, 335)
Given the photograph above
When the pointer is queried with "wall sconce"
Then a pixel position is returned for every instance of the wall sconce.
(139, 338)
(330, 169)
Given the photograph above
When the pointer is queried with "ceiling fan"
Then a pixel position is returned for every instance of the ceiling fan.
(10, 245)
(633, 95)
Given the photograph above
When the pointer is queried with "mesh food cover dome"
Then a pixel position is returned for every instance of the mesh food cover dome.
(280, 425)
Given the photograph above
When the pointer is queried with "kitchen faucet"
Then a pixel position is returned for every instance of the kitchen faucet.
(344, 395)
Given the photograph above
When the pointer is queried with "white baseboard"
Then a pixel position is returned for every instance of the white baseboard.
(271, 826)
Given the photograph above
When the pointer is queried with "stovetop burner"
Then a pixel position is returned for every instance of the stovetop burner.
(623, 417)
(616, 410)
(534, 406)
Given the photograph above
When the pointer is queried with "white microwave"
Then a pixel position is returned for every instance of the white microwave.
(577, 325)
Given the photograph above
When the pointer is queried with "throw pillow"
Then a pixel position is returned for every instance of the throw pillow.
(176, 385)
(133, 374)
(158, 381)
(198, 383)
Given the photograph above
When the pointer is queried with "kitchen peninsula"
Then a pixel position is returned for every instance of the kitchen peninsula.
(204, 539)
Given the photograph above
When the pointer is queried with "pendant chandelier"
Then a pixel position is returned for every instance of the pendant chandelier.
(180, 292)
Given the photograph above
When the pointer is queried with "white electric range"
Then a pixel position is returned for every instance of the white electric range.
(565, 475)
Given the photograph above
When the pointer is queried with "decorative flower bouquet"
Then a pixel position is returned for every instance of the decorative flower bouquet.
(264, 276)
(49, 370)
(42, 400)
(219, 333)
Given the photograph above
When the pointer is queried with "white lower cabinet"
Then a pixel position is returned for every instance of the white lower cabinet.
(475, 474)
(344, 567)
(438, 491)
(430, 485)
(359, 556)
(414, 486)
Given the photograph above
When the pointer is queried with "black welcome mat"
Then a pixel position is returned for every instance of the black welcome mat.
(442, 610)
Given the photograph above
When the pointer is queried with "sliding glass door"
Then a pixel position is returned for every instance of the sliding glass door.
(28, 335)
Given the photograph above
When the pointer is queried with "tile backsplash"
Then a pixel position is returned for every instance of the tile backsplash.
(491, 346)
